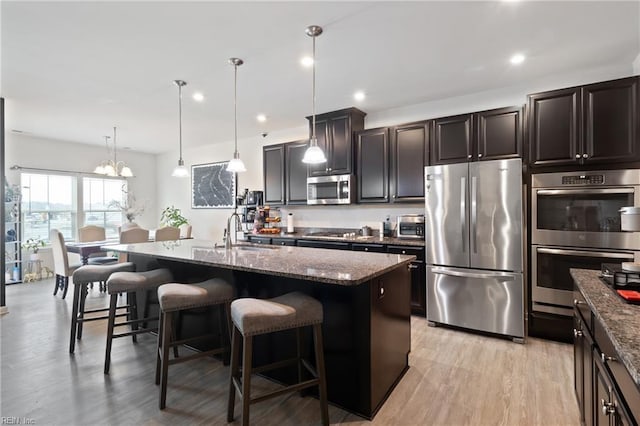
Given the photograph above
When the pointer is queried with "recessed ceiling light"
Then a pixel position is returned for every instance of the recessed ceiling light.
(359, 95)
(517, 59)
(199, 97)
(307, 61)
(261, 118)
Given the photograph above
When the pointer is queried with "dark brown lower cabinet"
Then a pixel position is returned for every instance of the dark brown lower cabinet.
(605, 391)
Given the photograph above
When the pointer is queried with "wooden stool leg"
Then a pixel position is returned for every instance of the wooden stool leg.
(317, 343)
(159, 349)
(132, 314)
(110, 325)
(246, 378)
(234, 372)
(74, 318)
(299, 356)
(164, 362)
(224, 342)
(83, 299)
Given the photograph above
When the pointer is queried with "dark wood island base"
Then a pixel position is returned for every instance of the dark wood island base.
(366, 327)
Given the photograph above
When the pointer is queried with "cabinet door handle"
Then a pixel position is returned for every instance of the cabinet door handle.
(282, 243)
(479, 155)
(468, 156)
(585, 155)
(606, 358)
(412, 266)
(578, 156)
(577, 333)
(577, 302)
(608, 408)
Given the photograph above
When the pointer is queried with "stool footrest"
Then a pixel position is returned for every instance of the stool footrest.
(197, 355)
(134, 332)
(192, 339)
(274, 365)
(136, 321)
(286, 389)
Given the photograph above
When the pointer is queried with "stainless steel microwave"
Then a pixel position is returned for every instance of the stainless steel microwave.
(336, 189)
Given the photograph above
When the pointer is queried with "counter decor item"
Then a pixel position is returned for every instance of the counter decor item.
(129, 205)
(33, 244)
(290, 227)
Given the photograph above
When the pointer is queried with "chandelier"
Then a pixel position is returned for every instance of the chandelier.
(113, 167)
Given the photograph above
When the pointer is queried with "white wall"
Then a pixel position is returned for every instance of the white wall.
(636, 65)
(31, 151)
(209, 223)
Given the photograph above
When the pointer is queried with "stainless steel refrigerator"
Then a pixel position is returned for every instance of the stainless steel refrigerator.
(474, 246)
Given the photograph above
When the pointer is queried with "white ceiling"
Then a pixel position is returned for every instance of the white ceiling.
(73, 70)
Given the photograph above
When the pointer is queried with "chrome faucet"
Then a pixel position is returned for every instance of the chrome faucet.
(227, 232)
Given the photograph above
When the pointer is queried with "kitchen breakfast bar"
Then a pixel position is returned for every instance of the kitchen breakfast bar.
(365, 299)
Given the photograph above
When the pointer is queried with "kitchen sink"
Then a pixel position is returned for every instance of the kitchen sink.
(255, 248)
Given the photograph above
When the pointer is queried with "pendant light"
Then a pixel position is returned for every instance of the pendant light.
(180, 170)
(313, 154)
(113, 167)
(235, 165)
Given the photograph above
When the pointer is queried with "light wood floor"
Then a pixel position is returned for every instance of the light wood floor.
(456, 378)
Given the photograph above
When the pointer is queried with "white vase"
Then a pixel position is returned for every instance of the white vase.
(34, 256)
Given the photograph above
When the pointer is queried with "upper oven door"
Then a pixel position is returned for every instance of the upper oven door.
(583, 217)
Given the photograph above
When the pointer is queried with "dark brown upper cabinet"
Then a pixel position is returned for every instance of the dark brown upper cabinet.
(273, 173)
(409, 157)
(334, 132)
(597, 123)
(452, 139)
(372, 165)
(296, 172)
(486, 135)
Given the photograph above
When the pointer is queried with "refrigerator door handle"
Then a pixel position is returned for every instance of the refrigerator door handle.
(474, 212)
(463, 212)
(496, 277)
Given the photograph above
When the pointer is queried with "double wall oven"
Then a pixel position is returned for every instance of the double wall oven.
(575, 222)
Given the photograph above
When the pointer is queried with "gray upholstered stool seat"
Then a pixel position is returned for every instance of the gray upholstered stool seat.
(173, 299)
(252, 317)
(82, 277)
(123, 282)
(176, 297)
(102, 260)
(132, 283)
(259, 316)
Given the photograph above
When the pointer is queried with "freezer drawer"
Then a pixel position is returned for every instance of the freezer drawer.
(482, 300)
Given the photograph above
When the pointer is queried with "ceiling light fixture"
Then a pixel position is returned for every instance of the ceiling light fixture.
(198, 97)
(313, 154)
(113, 167)
(180, 170)
(261, 118)
(517, 59)
(235, 165)
(359, 96)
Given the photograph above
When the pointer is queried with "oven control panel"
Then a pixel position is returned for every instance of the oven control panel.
(583, 180)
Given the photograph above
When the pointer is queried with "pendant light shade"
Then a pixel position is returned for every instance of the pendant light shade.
(180, 170)
(313, 154)
(235, 165)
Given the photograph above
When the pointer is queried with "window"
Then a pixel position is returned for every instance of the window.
(98, 208)
(49, 202)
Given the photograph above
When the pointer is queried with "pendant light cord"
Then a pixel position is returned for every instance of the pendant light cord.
(235, 109)
(314, 142)
(115, 151)
(180, 118)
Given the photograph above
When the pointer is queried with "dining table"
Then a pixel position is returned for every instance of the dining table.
(85, 250)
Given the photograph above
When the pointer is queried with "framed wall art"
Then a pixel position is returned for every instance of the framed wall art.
(212, 186)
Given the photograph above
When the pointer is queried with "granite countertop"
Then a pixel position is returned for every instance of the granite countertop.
(619, 319)
(304, 234)
(320, 265)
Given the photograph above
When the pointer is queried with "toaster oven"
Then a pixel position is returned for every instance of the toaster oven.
(410, 226)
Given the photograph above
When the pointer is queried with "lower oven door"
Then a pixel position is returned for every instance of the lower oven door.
(552, 285)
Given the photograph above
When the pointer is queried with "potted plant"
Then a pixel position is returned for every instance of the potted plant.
(172, 216)
(33, 244)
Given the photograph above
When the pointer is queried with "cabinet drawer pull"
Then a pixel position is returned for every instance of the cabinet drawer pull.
(577, 333)
(468, 156)
(366, 249)
(577, 302)
(606, 358)
(479, 155)
(578, 156)
(585, 155)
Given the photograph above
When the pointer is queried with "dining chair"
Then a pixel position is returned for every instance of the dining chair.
(167, 233)
(134, 235)
(90, 233)
(185, 231)
(61, 266)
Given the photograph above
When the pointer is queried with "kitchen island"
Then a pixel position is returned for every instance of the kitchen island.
(365, 298)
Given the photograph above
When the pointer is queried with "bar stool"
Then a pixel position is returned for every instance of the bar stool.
(131, 283)
(252, 317)
(82, 277)
(174, 298)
